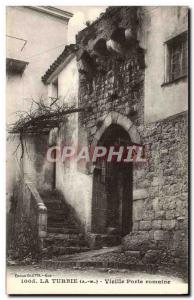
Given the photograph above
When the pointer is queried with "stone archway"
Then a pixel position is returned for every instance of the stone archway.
(112, 182)
(121, 120)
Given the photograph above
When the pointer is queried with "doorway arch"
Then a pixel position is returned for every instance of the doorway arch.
(119, 119)
(113, 181)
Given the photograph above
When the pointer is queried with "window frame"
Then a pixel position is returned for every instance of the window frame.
(168, 46)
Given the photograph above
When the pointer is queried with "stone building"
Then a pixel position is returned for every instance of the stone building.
(127, 75)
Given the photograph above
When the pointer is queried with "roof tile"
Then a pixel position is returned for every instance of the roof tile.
(69, 49)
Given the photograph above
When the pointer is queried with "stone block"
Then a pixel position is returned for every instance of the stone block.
(160, 214)
(161, 245)
(145, 183)
(172, 204)
(151, 234)
(170, 214)
(161, 235)
(169, 172)
(145, 225)
(124, 122)
(100, 132)
(154, 191)
(138, 209)
(156, 181)
(178, 240)
(180, 251)
(157, 224)
(155, 204)
(138, 241)
(108, 121)
(135, 226)
(140, 194)
(134, 135)
(148, 215)
(114, 116)
(152, 257)
(93, 130)
(168, 224)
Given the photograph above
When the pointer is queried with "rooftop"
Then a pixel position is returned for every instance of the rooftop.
(53, 11)
(69, 49)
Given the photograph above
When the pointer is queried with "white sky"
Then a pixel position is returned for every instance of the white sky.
(81, 15)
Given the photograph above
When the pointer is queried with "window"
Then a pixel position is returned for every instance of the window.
(176, 58)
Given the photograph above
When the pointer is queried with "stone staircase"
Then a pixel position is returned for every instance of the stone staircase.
(66, 247)
(64, 234)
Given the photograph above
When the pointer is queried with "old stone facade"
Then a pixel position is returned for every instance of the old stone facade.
(143, 206)
(116, 85)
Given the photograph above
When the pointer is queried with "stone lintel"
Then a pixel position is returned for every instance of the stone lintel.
(140, 194)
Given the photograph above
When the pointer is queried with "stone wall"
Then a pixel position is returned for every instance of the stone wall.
(160, 189)
(110, 82)
(160, 215)
(116, 82)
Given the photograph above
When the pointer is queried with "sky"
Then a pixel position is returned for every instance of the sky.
(82, 14)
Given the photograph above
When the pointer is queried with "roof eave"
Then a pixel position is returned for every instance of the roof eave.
(53, 11)
(52, 77)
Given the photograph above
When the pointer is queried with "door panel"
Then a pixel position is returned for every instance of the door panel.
(112, 188)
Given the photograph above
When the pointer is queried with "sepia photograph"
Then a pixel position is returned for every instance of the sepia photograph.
(97, 135)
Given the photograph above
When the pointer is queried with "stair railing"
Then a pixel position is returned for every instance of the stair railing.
(40, 210)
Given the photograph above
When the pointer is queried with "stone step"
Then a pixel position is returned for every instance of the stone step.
(51, 199)
(66, 236)
(56, 211)
(63, 230)
(65, 243)
(54, 205)
(63, 236)
(59, 222)
(60, 250)
(60, 216)
(62, 224)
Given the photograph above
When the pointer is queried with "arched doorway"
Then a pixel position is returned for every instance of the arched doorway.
(112, 187)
